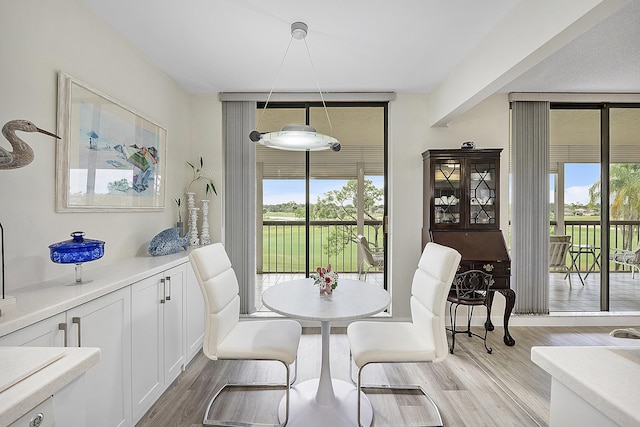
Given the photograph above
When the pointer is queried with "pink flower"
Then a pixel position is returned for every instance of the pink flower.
(326, 279)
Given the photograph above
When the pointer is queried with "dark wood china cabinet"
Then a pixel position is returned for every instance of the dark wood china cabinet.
(462, 210)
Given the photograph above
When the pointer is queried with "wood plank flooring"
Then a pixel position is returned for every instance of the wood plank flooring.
(471, 387)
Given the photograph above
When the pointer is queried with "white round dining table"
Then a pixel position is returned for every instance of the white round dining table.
(325, 401)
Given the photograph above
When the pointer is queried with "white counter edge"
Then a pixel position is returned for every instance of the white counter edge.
(608, 381)
(20, 398)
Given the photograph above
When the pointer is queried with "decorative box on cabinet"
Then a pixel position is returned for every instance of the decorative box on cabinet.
(462, 210)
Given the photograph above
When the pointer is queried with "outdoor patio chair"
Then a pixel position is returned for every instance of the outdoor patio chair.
(372, 259)
(626, 258)
(558, 248)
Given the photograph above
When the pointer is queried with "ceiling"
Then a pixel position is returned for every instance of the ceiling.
(211, 46)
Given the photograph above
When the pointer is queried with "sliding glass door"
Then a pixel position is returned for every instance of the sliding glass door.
(313, 206)
(595, 182)
(624, 209)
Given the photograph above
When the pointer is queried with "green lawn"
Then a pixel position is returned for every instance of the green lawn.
(589, 234)
(284, 249)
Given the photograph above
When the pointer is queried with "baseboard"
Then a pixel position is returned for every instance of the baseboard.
(603, 318)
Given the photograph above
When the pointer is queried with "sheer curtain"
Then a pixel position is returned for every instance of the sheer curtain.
(530, 206)
(240, 196)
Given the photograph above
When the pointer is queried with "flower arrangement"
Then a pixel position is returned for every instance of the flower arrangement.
(326, 279)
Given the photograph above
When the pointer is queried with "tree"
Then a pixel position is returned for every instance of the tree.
(624, 189)
(342, 205)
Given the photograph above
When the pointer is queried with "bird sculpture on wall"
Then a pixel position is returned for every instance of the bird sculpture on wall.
(22, 154)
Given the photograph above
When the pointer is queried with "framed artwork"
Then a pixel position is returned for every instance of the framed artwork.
(109, 158)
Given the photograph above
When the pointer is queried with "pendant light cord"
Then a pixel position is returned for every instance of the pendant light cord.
(274, 82)
(315, 75)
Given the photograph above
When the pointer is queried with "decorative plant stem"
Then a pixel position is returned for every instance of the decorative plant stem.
(202, 174)
(178, 203)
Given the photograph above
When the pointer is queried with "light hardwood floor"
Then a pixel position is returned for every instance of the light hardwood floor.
(471, 387)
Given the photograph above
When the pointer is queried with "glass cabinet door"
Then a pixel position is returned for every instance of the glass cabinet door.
(482, 192)
(447, 192)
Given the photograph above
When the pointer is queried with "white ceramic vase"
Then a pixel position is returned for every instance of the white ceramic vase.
(205, 238)
(193, 227)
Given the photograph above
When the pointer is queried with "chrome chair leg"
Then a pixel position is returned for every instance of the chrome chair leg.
(409, 387)
(229, 423)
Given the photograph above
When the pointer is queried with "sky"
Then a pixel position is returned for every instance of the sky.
(277, 191)
(578, 178)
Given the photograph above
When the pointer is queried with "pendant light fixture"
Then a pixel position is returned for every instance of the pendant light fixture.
(296, 137)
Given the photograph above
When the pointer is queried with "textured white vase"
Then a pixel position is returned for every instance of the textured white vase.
(191, 201)
(192, 223)
(193, 227)
(205, 238)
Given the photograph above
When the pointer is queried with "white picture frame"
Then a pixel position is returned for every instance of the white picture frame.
(110, 158)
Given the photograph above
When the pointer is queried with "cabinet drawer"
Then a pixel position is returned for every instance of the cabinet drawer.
(40, 416)
(492, 267)
(501, 271)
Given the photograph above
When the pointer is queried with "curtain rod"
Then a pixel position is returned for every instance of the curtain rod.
(308, 96)
(575, 97)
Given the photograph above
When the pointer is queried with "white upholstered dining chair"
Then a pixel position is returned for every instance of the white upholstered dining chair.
(424, 338)
(226, 338)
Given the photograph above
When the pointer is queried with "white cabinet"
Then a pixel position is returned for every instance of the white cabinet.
(147, 328)
(46, 333)
(173, 326)
(41, 416)
(102, 323)
(194, 314)
(105, 323)
(157, 325)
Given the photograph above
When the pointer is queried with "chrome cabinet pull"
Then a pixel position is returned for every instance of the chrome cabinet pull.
(76, 320)
(164, 291)
(63, 327)
(168, 280)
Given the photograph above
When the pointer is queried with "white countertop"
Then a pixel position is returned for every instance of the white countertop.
(36, 373)
(606, 377)
(39, 301)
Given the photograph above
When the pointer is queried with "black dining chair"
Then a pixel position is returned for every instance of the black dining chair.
(470, 289)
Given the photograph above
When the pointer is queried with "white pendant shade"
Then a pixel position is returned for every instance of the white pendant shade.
(299, 138)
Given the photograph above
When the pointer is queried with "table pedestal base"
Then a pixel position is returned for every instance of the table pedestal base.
(304, 411)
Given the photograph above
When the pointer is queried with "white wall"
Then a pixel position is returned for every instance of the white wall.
(205, 118)
(487, 125)
(38, 38)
